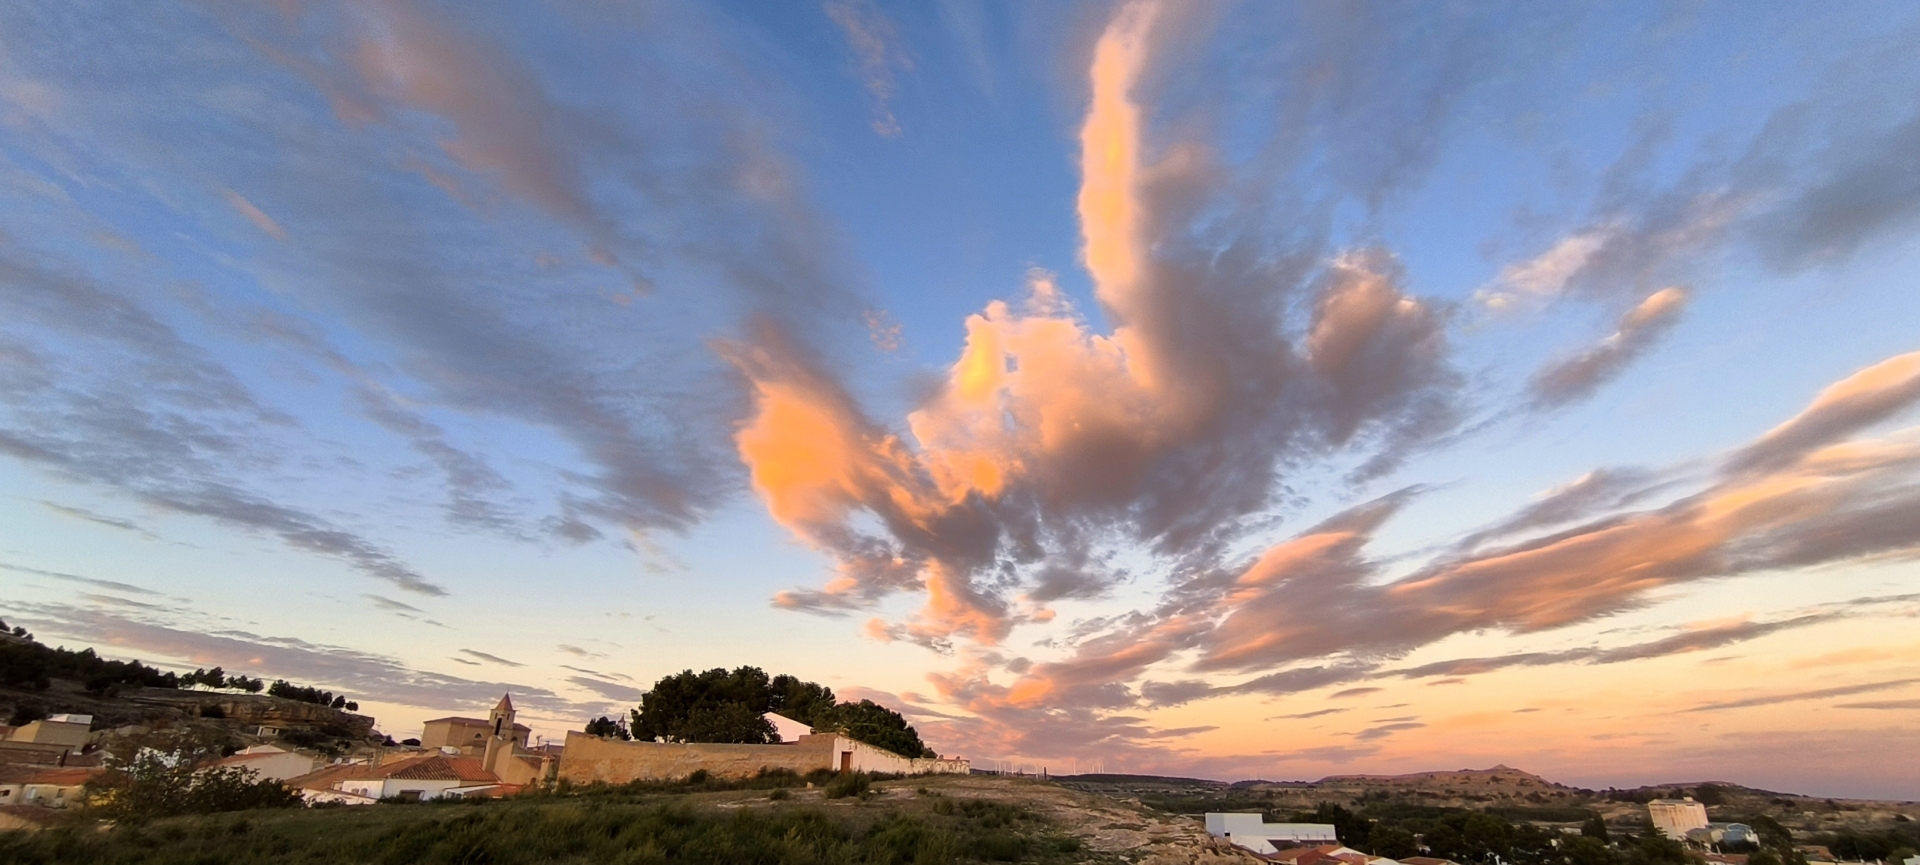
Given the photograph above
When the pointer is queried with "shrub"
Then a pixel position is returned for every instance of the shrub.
(779, 793)
(849, 784)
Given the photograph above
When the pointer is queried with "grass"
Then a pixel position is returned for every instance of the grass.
(592, 825)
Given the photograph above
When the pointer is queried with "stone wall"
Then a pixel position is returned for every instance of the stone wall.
(589, 759)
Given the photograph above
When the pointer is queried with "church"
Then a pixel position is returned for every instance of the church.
(499, 742)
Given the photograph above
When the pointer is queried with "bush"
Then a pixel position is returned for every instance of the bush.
(849, 784)
(159, 784)
(779, 794)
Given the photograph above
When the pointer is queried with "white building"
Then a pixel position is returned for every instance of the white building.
(788, 728)
(1253, 832)
(433, 776)
(1674, 817)
(273, 762)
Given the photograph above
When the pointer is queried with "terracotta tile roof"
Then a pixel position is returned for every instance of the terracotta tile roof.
(433, 767)
(325, 778)
(60, 777)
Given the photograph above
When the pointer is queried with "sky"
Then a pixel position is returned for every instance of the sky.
(1236, 390)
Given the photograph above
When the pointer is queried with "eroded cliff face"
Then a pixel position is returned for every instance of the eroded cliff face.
(254, 710)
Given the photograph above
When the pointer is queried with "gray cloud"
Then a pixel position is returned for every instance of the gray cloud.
(1883, 705)
(76, 578)
(1799, 696)
(609, 690)
(364, 676)
(1384, 730)
(1578, 377)
(392, 606)
(491, 659)
(97, 519)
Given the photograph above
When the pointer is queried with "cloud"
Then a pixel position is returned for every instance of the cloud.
(1313, 714)
(1866, 191)
(491, 659)
(1049, 438)
(1354, 692)
(154, 417)
(876, 47)
(578, 652)
(363, 675)
(254, 215)
(609, 690)
(1319, 596)
(1574, 378)
(1800, 696)
(1884, 705)
(97, 519)
(392, 606)
(1384, 730)
(1862, 399)
(75, 578)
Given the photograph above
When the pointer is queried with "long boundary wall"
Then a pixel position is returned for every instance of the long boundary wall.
(590, 759)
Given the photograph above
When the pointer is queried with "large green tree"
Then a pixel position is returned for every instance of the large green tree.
(722, 705)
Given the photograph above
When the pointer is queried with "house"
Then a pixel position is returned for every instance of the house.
(1323, 854)
(319, 786)
(1723, 833)
(1254, 833)
(787, 728)
(47, 787)
(272, 762)
(71, 731)
(1426, 860)
(429, 776)
(1673, 817)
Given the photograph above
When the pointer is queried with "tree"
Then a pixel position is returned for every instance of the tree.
(608, 728)
(165, 774)
(722, 705)
(802, 701)
(1392, 842)
(1596, 828)
(1588, 850)
(879, 726)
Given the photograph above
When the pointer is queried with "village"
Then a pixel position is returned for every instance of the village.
(47, 763)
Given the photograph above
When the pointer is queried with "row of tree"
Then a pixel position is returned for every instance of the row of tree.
(722, 705)
(27, 663)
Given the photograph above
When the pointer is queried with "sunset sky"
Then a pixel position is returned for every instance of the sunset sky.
(1258, 390)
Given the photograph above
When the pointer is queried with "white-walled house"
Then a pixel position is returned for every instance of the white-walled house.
(431, 776)
(1253, 832)
(273, 762)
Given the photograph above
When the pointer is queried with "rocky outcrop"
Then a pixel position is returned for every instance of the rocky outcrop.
(254, 710)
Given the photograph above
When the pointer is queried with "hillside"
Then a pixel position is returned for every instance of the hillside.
(1504, 791)
(919, 820)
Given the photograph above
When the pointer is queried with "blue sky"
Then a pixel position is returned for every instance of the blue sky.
(1104, 385)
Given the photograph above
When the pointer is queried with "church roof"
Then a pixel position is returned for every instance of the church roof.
(505, 704)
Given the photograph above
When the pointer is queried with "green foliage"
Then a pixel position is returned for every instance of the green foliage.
(877, 725)
(1859, 846)
(849, 784)
(608, 728)
(32, 665)
(26, 712)
(714, 706)
(1588, 850)
(1654, 848)
(1710, 795)
(1595, 828)
(306, 694)
(1392, 842)
(566, 830)
(155, 784)
(722, 705)
(801, 701)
